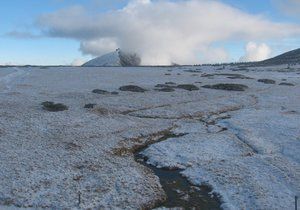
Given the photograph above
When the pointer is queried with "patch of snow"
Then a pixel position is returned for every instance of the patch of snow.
(255, 163)
(49, 160)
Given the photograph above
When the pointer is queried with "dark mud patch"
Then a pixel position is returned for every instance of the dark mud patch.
(170, 83)
(104, 92)
(267, 81)
(166, 89)
(193, 71)
(189, 87)
(89, 106)
(53, 107)
(228, 75)
(99, 91)
(239, 77)
(102, 111)
(132, 88)
(286, 84)
(227, 86)
(180, 193)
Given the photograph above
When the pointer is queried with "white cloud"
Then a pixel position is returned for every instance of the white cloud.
(164, 31)
(6, 64)
(98, 46)
(77, 62)
(256, 52)
(214, 55)
(135, 2)
(288, 7)
(22, 35)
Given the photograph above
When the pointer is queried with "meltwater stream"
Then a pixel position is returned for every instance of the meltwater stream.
(180, 193)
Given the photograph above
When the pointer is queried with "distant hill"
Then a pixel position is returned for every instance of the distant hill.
(291, 57)
(123, 59)
(116, 58)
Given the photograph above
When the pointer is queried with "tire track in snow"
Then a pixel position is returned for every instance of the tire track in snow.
(7, 79)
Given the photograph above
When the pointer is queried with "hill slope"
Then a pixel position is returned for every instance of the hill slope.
(291, 57)
(116, 58)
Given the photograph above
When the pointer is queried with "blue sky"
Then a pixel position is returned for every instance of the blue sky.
(20, 15)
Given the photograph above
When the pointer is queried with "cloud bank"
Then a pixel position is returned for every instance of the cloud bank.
(78, 62)
(162, 32)
(289, 7)
(22, 35)
(256, 52)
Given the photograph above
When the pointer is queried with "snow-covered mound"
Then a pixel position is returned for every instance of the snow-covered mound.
(116, 58)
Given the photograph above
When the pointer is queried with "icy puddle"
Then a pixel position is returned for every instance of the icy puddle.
(180, 193)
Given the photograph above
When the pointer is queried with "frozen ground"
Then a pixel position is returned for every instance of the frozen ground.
(244, 144)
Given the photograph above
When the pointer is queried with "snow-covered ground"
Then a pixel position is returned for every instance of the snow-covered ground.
(246, 145)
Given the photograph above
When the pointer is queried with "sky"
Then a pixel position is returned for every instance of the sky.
(70, 32)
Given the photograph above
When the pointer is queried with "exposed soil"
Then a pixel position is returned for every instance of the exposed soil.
(267, 81)
(53, 107)
(286, 84)
(189, 87)
(132, 88)
(227, 86)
